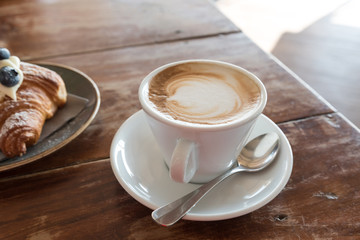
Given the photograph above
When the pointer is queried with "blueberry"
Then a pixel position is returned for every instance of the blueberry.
(9, 77)
(4, 53)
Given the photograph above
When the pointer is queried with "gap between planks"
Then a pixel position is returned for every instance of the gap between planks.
(125, 46)
(72, 166)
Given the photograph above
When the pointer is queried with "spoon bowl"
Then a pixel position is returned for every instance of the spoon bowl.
(255, 156)
(259, 152)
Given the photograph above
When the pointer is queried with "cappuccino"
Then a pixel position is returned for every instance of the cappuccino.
(201, 113)
(203, 93)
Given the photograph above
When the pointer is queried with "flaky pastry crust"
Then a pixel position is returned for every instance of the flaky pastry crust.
(38, 98)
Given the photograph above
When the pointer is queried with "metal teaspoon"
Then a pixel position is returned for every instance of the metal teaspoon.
(255, 156)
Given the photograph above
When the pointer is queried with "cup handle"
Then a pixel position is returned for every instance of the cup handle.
(183, 164)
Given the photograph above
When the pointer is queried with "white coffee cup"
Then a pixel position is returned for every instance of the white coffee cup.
(201, 141)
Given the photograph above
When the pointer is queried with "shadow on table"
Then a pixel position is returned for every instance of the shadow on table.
(326, 56)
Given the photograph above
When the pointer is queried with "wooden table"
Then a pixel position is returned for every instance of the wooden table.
(73, 194)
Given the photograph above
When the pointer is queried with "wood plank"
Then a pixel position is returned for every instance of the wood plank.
(118, 74)
(321, 199)
(327, 57)
(36, 29)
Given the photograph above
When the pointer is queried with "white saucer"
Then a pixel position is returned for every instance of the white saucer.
(138, 165)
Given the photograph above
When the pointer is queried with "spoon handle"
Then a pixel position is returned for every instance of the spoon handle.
(174, 211)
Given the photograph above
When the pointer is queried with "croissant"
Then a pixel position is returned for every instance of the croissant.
(38, 98)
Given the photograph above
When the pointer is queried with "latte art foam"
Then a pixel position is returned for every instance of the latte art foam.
(203, 94)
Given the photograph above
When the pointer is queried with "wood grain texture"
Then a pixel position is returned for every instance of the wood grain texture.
(73, 194)
(37, 29)
(327, 59)
(321, 200)
(119, 72)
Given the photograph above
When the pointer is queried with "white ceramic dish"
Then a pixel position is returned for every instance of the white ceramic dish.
(138, 165)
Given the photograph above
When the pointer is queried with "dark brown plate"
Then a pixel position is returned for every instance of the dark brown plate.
(79, 84)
